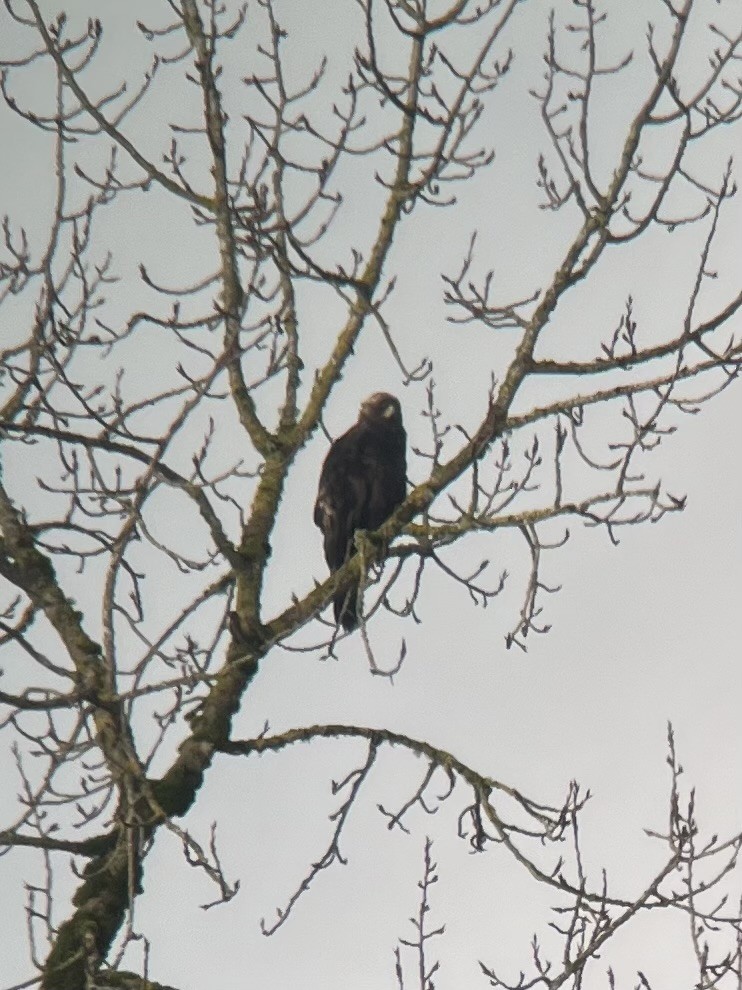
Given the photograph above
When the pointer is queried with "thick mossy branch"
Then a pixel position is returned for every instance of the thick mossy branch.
(104, 896)
(102, 901)
(255, 544)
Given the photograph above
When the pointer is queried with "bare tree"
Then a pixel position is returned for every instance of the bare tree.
(227, 234)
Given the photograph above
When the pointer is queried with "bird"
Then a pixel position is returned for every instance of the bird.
(363, 480)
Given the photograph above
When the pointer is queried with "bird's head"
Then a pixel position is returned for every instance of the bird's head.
(381, 406)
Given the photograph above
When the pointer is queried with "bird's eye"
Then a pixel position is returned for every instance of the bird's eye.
(388, 412)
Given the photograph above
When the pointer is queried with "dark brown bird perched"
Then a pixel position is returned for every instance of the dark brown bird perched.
(363, 480)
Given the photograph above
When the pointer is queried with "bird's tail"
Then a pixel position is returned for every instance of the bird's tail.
(345, 605)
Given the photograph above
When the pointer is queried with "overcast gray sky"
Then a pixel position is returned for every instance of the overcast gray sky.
(642, 633)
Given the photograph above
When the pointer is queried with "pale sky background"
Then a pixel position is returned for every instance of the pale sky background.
(642, 633)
